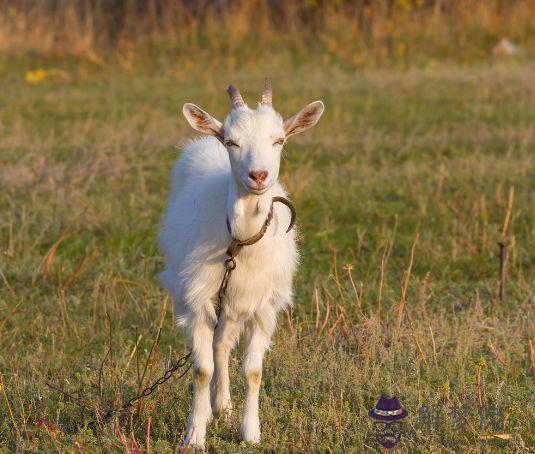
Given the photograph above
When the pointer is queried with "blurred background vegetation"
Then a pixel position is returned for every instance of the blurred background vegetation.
(359, 33)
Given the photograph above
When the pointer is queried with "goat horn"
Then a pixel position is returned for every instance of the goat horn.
(235, 97)
(267, 94)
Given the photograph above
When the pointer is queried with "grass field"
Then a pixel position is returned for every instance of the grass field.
(423, 160)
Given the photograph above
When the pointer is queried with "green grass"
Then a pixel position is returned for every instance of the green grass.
(428, 153)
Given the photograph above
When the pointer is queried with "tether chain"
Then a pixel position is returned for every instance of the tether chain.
(230, 265)
(150, 389)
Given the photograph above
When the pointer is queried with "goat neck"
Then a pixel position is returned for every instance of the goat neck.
(246, 212)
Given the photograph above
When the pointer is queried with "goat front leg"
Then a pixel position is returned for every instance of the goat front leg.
(257, 339)
(203, 367)
(225, 339)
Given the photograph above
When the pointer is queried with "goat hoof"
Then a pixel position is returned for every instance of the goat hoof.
(223, 410)
(195, 439)
(250, 430)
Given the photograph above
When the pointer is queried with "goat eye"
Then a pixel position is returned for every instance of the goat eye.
(279, 142)
(231, 143)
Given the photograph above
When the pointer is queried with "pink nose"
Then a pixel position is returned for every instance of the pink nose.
(258, 176)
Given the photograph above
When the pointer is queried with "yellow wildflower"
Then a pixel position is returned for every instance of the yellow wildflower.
(37, 76)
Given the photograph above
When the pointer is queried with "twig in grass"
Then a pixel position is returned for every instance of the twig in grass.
(289, 320)
(403, 300)
(109, 353)
(485, 221)
(164, 311)
(345, 317)
(125, 281)
(503, 269)
(137, 367)
(10, 250)
(6, 282)
(496, 354)
(83, 263)
(110, 339)
(506, 419)
(331, 330)
(131, 446)
(119, 433)
(13, 421)
(135, 446)
(49, 256)
(23, 412)
(496, 436)
(153, 355)
(434, 346)
(96, 290)
(336, 278)
(317, 302)
(507, 219)
(147, 436)
(384, 261)
(403, 304)
(101, 373)
(502, 244)
(66, 321)
(418, 346)
(11, 313)
(127, 289)
(326, 318)
(480, 365)
(134, 350)
(150, 361)
(532, 355)
(349, 267)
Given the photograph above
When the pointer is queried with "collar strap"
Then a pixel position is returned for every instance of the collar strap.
(235, 246)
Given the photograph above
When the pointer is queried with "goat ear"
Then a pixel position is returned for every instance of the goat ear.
(304, 119)
(202, 121)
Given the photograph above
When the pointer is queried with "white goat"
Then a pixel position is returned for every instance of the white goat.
(221, 183)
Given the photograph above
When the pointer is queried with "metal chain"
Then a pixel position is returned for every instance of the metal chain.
(150, 389)
(230, 265)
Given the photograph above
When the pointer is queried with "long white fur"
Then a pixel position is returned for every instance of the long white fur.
(210, 183)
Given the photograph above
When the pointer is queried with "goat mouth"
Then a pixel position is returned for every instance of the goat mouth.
(258, 190)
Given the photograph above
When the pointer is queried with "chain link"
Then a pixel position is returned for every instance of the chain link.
(150, 389)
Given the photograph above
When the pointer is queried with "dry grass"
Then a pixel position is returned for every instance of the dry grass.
(230, 34)
(431, 152)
